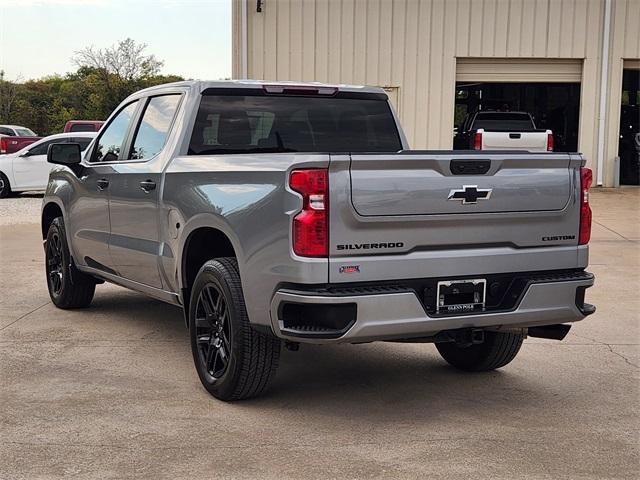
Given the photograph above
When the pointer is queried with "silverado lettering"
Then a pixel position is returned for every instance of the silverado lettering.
(369, 246)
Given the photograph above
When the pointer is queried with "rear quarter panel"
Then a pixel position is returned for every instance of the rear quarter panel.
(247, 198)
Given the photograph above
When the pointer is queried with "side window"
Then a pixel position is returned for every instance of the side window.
(110, 142)
(154, 126)
(42, 148)
(6, 131)
(83, 141)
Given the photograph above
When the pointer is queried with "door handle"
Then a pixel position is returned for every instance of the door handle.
(102, 183)
(147, 185)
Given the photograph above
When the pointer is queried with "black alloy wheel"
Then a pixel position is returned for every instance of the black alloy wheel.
(213, 332)
(234, 361)
(68, 287)
(55, 265)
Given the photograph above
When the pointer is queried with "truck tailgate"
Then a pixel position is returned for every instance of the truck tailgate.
(408, 215)
(384, 185)
(530, 141)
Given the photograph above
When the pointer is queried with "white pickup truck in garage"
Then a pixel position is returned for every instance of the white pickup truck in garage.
(496, 130)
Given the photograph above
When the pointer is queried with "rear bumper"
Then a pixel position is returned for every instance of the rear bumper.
(394, 312)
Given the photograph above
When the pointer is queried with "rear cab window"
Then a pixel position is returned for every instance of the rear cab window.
(82, 127)
(503, 121)
(252, 121)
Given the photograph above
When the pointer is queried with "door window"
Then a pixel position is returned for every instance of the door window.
(43, 147)
(110, 142)
(154, 126)
(83, 141)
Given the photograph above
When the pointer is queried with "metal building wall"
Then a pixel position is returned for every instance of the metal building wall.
(625, 46)
(412, 45)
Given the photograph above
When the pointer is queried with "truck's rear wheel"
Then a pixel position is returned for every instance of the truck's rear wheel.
(68, 287)
(497, 350)
(233, 360)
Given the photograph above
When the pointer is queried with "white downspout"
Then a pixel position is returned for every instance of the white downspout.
(244, 40)
(604, 80)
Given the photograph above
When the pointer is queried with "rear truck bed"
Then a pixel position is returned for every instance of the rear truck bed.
(13, 144)
(420, 243)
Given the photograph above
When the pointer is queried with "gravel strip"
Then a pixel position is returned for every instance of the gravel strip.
(19, 209)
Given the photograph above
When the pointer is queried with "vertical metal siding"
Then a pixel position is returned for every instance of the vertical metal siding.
(413, 45)
(625, 44)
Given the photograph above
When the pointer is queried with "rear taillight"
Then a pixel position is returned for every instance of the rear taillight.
(311, 225)
(477, 141)
(549, 142)
(3, 145)
(586, 177)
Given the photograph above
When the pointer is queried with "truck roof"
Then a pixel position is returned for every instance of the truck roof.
(202, 85)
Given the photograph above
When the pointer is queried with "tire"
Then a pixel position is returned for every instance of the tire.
(68, 287)
(5, 186)
(233, 360)
(497, 350)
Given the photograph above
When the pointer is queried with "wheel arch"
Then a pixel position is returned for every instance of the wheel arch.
(201, 244)
(50, 211)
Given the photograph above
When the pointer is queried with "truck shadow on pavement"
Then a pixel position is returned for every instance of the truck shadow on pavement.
(390, 380)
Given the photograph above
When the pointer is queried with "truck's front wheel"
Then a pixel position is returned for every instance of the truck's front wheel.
(497, 350)
(233, 360)
(68, 287)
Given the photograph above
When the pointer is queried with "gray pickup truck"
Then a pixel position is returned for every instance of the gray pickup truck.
(295, 213)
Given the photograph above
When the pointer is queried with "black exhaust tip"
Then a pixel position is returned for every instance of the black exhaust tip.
(552, 332)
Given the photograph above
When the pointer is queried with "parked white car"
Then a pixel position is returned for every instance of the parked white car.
(28, 170)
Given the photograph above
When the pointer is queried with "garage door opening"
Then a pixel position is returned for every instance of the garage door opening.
(629, 140)
(553, 106)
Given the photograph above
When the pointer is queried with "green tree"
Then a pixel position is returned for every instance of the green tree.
(103, 79)
(8, 93)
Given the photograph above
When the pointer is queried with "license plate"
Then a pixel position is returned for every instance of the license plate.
(461, 295)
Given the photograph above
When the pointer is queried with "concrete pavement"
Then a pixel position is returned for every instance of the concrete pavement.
(111, 392)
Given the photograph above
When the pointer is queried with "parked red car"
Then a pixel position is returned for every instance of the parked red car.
(83, 126)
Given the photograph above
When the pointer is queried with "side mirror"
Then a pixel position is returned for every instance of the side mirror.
(64, 154)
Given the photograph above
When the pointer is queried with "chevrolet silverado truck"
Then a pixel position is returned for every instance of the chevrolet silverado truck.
(498, 130)
(277, 213)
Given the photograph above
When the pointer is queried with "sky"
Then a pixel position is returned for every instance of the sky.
(39, 37)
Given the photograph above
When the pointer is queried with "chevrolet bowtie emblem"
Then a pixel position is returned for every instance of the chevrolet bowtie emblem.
(470, 194)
